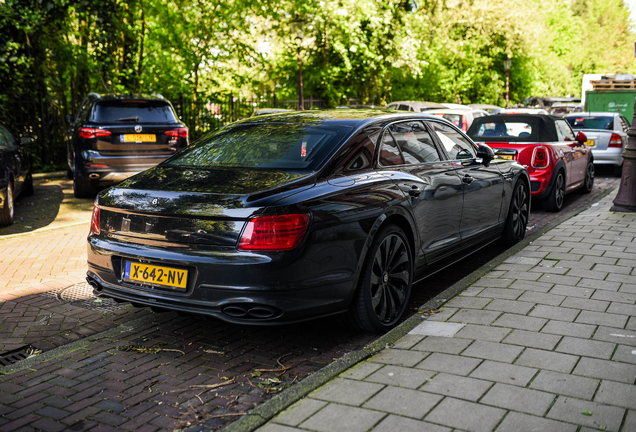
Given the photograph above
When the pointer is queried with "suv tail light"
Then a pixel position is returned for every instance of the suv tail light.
(86, 132)
(94, 219)
(615, 141)
(540, 158)
(181, 133)
(274, 233)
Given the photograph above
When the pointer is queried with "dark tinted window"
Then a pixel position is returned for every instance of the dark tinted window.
(455, 144)
(597, 122)
(262, 145)
(415, 142)
(133, 112)
(389, 151)
(4, 142)
(403, 108)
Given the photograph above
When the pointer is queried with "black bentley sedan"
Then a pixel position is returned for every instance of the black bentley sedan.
(16, 176)
(293, 216)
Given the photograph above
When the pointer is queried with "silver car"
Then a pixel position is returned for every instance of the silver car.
(606, 134)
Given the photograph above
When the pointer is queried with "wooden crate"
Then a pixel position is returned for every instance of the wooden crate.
(610, 84)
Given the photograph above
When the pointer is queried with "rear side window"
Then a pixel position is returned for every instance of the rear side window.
(455, 144)
(403, 108)
(133, 112)
(415, 142)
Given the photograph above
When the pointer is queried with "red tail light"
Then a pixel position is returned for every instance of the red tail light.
(540, 158)
(95, 220)
(274, 233)
(86, 132)
(95, 165)
(464, 123)
(615, 141)
(181, 132)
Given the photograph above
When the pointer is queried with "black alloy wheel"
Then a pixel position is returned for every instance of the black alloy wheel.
(517, 220)
(588, 182)
(554, 202)
(387, 277)
(6, 212)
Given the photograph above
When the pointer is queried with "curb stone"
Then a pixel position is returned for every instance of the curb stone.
(268, 410)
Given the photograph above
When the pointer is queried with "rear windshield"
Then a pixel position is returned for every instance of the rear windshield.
(263, 145)
(133, 112)
(503, 129)
(598, 122)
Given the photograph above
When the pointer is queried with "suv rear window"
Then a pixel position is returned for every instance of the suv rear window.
(133, 111)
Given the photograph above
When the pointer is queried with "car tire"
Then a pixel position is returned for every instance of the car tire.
(618, 170)
(385, 282)
(82, 187)
(554, 202)
(27, 190)
(6, 212)
(517, 220)
(588, 182)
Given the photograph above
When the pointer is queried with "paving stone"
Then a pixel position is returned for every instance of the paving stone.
(586, 347)
(569, 329)
(610, 296)
(617, 394)
(622, 309)
(493, 351)
(604, 369)
(532, 339)
(625, 354)
(449, 363)
(491, 282)
(542, 298)
(504, 373)
(549, 360)
(269, 427)
(521, 322)
(526, 285)
(599, 285)
(571, 410)
(622, 278)
(405, 402)
(361, 370)
(400, 376)
(472, 316)
(630, 421)
(597, 273)
(517, 422)
(408, 341)
(471, 291)
(399, 357)
(431, 328)
(479, 332)
(518, 399)
(601, 318)
(336, 417)
(456, 386)
(393, 423)
(555, 313)
(510, 294)
(347, 391)
(443, 315)
(469, 302)
(442, 344)
(300, 412)
(512, 306)
(565, 384)
(586, 304)
(570, 291)
(474, 417)
(519, 259)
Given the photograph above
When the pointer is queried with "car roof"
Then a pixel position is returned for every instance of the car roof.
(482, 106)
(129, 96)
(419, 104)
(593, 114)
(455, 111)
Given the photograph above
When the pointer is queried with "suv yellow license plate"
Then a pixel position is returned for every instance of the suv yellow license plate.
(589, 143)
(169, 277)
(138, 138)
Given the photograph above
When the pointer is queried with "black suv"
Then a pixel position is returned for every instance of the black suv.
(113, 137)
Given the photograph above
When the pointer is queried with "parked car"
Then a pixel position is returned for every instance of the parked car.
(414, 106)
(115, 136)
(559, 109)
(462, 118)
(267, 111)
(455, 106)
(16, 177)
(490, 109)
(523, 111)
(290, 217)
(606, 134)
(557, 159)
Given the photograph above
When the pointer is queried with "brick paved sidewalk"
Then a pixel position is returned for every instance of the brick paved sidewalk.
(545, 341)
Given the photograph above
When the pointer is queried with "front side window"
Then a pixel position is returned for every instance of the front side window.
(454, 143)
(262, 145)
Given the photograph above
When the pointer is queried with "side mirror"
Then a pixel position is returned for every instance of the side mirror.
(581, 137)
(69, 118)
(26, 141)
(485, 153)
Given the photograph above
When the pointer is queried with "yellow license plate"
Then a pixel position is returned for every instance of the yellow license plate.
(155, 275)
(589, 143)
(509, 157)
(138, 138)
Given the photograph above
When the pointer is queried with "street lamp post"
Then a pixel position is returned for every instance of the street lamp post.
(625, 200)
(298, 25)
(507, 64)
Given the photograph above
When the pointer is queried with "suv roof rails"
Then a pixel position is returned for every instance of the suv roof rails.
(95, 94)
(157, 95)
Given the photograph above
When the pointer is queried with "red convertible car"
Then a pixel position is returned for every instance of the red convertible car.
(557, 159)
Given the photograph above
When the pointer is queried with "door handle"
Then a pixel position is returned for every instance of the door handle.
(415, 191)
(467, 179)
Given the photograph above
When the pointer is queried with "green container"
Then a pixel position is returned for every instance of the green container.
(621, 101)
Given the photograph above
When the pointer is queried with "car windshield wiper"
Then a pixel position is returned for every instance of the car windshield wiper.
(128, 119)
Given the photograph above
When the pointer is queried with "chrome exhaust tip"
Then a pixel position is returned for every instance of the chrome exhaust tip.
(93, 176)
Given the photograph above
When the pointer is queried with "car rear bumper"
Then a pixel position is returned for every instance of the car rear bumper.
(610, 156)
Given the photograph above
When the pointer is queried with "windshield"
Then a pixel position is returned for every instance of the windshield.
(138, 111)
(597, 122)
(263, 145)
